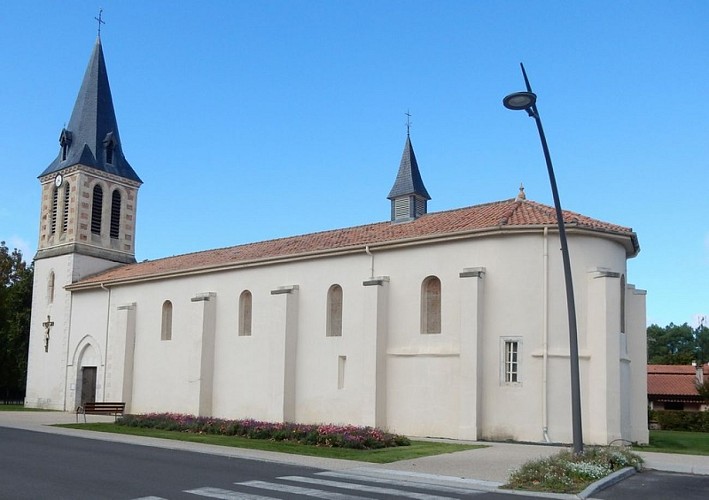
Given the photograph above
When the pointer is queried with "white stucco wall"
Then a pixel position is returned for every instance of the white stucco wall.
(413, 383)
(49, 384)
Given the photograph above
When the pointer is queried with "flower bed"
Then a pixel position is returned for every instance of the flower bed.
(327, 435)
(569, 473)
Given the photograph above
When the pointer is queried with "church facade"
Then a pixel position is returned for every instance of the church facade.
(447, 324)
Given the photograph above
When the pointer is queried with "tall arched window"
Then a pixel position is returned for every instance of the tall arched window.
(96, 209)
(166, 325)
(115, 214)
(55, 207)
(334, 311)
(622, 303)
(65, 210)
(431, 305)
(245, 313)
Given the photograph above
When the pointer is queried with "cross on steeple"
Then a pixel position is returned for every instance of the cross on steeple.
(408, 122)
(47, 326)
(100, 21)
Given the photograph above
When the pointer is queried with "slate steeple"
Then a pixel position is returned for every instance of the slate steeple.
(92, 138)
(90, 191)
(408, 195)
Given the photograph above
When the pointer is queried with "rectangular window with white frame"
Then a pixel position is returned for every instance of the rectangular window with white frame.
(511, 356)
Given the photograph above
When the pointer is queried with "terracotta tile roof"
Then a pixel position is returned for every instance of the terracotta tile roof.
(502, 215)
(673, 380)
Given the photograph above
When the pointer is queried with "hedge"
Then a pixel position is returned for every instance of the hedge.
(675, 420)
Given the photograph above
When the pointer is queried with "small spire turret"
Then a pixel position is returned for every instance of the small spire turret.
(408, 195)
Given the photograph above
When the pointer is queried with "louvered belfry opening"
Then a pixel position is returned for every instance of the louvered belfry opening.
(96, 210)
(65, 211)
(115, 214)
(55, 207)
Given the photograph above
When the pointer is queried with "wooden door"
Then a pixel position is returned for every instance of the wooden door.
(88, 384)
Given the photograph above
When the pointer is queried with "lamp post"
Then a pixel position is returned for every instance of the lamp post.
(528, 101)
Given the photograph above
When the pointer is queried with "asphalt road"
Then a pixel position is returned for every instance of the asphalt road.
(36, 465)
(657, 485)
(40, 465)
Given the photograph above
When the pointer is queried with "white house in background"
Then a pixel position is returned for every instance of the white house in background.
(449, 324)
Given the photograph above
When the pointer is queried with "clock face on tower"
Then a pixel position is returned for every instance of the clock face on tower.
(58, 180)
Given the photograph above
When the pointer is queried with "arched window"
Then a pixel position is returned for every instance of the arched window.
(245, 313)
(431, 305)
(115, 214)
(55, 207)
(50, 288)
(166, 326)
(65, 210)
(334, 311)
(96, 209)
(622, 303)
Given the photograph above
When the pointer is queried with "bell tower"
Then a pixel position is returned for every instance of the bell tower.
(89, 191)
(87, 225)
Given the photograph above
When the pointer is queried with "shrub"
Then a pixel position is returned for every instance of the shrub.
(569, 473)
(675, 420)
(328, 435)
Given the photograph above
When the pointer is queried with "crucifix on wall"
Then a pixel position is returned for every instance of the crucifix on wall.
(47, 326)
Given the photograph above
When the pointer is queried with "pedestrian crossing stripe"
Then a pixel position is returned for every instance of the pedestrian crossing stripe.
(364, 488)
(319, 484)
(225, 494)
(399, 482)
(298, 490)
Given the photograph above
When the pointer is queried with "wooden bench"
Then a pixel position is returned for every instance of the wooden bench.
(101, 408)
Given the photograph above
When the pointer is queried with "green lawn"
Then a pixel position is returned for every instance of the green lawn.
(689, 443)
(17, 408)
(386, 455)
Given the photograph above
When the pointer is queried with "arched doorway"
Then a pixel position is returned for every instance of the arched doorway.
(87, 375)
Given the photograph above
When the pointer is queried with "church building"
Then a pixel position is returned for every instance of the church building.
(446, 324)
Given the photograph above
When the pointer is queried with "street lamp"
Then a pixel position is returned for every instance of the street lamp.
(528, 101)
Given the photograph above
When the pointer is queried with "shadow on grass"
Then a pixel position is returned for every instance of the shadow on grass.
(417, 449)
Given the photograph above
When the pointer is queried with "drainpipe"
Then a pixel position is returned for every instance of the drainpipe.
(545, 337)
(371, 270)
(68, 342)
(105, 356)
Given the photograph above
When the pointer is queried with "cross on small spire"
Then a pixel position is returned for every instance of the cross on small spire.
(408, 122)
(100, 21)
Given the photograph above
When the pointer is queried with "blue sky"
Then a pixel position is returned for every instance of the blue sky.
(255, 120)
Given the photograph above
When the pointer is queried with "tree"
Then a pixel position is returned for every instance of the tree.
(677, 344)
(701, 334)
(15, 313)
(703, 389)
(672, 345)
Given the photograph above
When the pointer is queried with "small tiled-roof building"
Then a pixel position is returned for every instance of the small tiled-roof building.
(450, 324)
(674, 387)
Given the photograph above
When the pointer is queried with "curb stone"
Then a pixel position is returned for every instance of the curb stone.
(607, 482)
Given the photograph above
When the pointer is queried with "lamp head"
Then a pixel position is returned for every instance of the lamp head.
(520, 100)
